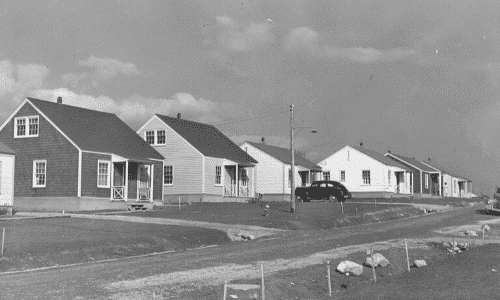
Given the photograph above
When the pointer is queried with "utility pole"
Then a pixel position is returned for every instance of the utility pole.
(292, 153)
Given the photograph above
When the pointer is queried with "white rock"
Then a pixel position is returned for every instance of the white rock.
(420, 263)
(486, 227)
(380, 260)
(347, 266)
(471, 233)
(251, 237)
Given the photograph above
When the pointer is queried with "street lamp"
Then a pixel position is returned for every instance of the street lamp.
(292, 152)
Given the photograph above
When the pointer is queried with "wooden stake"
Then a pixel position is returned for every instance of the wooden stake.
(375, 202)
(225, 290)
(453, 246)
(3, 239)
(342, 205)
(483, 232)
(329, 280)
(373, 267)
(407, 257)
(262, 284)
(179, 202)
(468, 245)
(154, 295)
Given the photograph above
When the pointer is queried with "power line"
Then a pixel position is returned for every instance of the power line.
(240, 120)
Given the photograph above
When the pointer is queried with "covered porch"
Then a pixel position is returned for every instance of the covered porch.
(239, 180)
(133, 180)
(308, 176)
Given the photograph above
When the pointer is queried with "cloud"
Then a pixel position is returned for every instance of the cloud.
(18, 79)
(103, 69)
(138, 107)
(306, 40)
(235, 37)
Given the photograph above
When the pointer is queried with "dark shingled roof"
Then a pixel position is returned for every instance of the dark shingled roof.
(444, 170)
(414, 162)
(5, 150)
(381, 158)
(283, 155)
(208, 140)
(97, 131)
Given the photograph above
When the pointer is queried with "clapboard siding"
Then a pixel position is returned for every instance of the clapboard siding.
(89, 175)
(50, 145)
(271, 175)
(6, 179)
(210, 187)
(186, 160)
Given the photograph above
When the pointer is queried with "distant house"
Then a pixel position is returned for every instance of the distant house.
(452, 185)
(426, 178)
(201, 164)
(273, 172)
(7, 162)
(367, 173)
(71, 158)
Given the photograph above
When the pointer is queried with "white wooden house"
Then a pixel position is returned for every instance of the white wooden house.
(7, 161)
(453, 185)
(201, 164)
(367, 173)
(273, 172)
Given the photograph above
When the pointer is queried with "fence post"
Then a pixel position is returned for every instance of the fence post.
(407, 257)
(329, 280)
(262, 284)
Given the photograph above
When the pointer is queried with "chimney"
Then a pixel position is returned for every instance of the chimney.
(263, 140)
(429, 159)
(59, 100)
(388, 151)
(178, 115)
(361, 144)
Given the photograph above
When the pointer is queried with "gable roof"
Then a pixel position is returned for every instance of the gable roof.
(413, 162)
(283, 155)
(380, 158)
(96, 131)
(5, 150)
(443, 170)
(208, 140)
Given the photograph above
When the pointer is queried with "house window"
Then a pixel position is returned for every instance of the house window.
(342, 175)
(326, 176)
(156, 137)
(389, 176)
(168, 175)
(366, 177)
(26, 127)
(244, 177)
(161, 137)
(39, 173)
(103, 174)
(411, 180)
(150, 137)
(426, 181)
(218, 175)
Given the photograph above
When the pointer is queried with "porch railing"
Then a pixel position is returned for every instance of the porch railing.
(118, 193)
(230, 191)
(144, 194)
(244, 191)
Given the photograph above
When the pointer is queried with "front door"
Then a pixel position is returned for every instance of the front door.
(144, 182)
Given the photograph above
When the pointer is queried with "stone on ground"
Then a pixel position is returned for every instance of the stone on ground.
(486, 227)
(420, 263)
(347, 266)
(471, 233)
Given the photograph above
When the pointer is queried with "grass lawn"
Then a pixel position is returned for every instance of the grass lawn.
(314, 215)
(434, 201)
(34, 243)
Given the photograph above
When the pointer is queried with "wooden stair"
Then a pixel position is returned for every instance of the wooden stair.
(139, 206)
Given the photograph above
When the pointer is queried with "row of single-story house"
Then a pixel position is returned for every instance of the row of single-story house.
(367, 173)
(58, 157)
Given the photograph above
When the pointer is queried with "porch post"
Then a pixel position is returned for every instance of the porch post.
(253, 182)
(111, 177)
(126, 181)
(237, 182)
(412, 182)
(152, 168)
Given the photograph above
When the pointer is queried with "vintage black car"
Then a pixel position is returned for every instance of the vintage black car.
(320, 190)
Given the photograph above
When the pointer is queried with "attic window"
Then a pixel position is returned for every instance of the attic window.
(26, 127)
(156, 137)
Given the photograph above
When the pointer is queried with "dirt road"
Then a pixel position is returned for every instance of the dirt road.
(136, 278)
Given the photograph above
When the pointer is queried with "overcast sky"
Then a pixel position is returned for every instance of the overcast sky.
(420, 78)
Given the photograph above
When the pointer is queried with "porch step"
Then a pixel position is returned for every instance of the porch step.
(137, 207)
